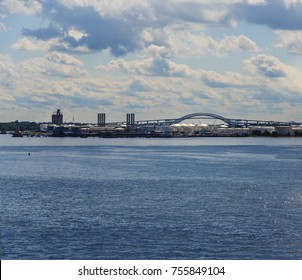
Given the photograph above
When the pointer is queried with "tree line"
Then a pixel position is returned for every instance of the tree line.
(22, 126)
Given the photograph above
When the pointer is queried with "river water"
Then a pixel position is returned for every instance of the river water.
(186, 198)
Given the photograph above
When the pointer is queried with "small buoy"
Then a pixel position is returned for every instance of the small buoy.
(29, 154)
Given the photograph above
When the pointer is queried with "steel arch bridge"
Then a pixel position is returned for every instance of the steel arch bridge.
(229, 121)
(201, 116)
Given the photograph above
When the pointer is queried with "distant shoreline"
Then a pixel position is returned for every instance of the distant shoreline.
(140, 135)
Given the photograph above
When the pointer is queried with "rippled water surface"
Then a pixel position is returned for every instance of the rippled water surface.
(193, 198)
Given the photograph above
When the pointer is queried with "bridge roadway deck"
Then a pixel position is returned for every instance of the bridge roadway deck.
(229, 121)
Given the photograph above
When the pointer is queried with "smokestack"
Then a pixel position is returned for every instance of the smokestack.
(130, 120)
(101, 119)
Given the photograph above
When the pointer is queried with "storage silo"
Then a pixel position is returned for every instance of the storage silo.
(262, 129)
(284, 130)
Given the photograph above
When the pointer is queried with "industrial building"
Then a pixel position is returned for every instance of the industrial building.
(57, 117)
(101, 119)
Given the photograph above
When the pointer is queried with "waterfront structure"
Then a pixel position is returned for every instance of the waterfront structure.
(297, 130)
(130, 121)
(262, 129)
(230, 122)
(284, 130)
(57, 117)
(101, 119)
(173, 127)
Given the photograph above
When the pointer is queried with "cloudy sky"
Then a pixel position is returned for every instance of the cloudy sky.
(156, 58)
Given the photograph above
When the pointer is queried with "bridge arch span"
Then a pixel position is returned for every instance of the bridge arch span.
(201, 116)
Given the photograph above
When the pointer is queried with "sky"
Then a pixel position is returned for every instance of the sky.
(155, 58)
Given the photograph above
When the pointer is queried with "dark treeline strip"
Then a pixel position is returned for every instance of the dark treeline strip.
(22, 126)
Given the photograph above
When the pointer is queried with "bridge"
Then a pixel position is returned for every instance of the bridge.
(228, 121)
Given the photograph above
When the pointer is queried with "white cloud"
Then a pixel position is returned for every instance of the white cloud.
(277, 14)
(8, 69)
(158, 34)
(34, 45)
(38, 99)
(127, 26)
(108, 7)
(140, 90)
(63, 59)
(235, 43)
(266, 80)
(256, 2)
(139, 85)
(55, 64)
(123, 26)
(28, 7)
(153, 66)
(292, 3)
(268, 66)
(290, 41)
(275, 80)
(76, 34)
(226, 80)
(8, 75)
(193, 43)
